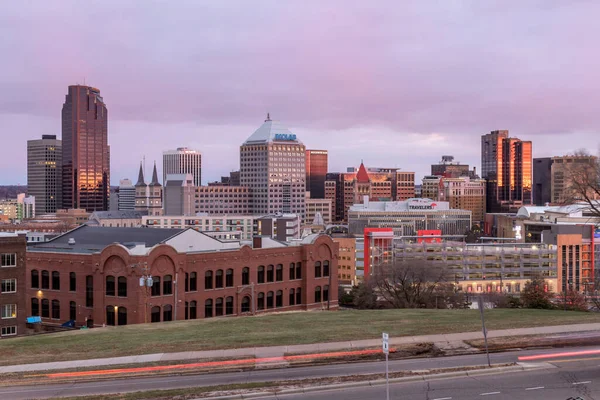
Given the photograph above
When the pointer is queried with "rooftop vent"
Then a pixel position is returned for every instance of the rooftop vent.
(71, 241)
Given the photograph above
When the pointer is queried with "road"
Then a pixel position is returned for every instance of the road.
(591, 364)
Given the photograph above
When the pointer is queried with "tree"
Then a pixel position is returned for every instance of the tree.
(472, 235)
(574, 301)
(364, 296)
(534, 294)
(582, 180)
(345, 298)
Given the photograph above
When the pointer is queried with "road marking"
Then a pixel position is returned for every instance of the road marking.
(488, 393)
(581, 383)
(535, 388)
(443, 398)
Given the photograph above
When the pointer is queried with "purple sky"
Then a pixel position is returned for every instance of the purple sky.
(395, 83)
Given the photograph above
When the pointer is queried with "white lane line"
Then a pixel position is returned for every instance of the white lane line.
(488, 393)
(535, 388)
(581, 383)
(443, 398)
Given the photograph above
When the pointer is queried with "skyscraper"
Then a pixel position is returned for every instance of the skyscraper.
(126, 195)
(183, 161)
(85, 150)
(542, 178)
(506, 164)
(316, 169)
(44, 173)
(272, 165)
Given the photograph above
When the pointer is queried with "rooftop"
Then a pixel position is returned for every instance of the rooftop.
(272, 131)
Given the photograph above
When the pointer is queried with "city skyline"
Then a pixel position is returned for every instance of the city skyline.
(394, 95)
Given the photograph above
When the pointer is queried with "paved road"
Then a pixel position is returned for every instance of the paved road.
(172, 382)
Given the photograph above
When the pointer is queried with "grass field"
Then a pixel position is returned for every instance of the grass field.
(269, 330)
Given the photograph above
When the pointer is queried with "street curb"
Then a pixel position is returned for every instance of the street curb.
(379, 382)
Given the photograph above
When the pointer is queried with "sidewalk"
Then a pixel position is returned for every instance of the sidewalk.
(275, 351)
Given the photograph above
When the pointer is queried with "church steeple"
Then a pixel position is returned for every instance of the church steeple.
(140, 181)
(154, 177)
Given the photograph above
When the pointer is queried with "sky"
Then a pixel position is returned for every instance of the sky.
(393, 83)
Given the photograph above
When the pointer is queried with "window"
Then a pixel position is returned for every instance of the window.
(279, 299)
(110, 285)
(35, 307)
(8, 260)
(72, 311)
(8, 331)
(187, 310)
(122, 316)
(318, 294)
(55, 280)
(298, 270)
(72, 282)
(279, 273)
(193, 282)
(219, 307)
(187, 285)
(292, 297)
(246, 276)
(89, 291)
(246, 304)
(193, 307)
(168, 312)
(298, 296)
(318, 269)
(55, 309)
(229, 305)
(110, 316)
(208, 280)
(45, 308)
(292, 271)
(35, 279)
(261, 274)
(208, 308)
(155, 286)
(219, 279)
(270, 300)
(261, 301)
(9, 311)
(229, 278)
(45, 280)
(326, 268)
(155, 314)
(270, 276)
(326, 293)
(167, 286)
(8, 286)
(122, 287)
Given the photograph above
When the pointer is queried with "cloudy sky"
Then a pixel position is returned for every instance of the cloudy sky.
(396, 83)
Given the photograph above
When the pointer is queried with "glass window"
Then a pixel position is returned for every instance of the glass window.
(246, 304)
(122, 287)
(193, 306)
(167, 286)
(55, 309)
(45, 308)
(298, 296)
(72, 282)
(219, 307)
(246, 276)
(261, 274)
(325, 293)
(155, 314)
(110, 315)
(55, 280)
(292, 297)
(110, 285)
(35, 307)
(45, 279)
(229, 278)
(8, 286)
(89, 291)
(292, 271)
(318, 269)
(156, 288)
(279, 273)
(122, 316)
(229, 305)
(72, 311)
(261, 301)
(168, 312)
(270, 300)
(8, 260)
(298, 270)
(208, 280)
(326, 268)
(208, 308)
(279, 299)
(193, 282)
(187, 285)
(219, 279)
(35, 279)
(318, 294)
(270, 276)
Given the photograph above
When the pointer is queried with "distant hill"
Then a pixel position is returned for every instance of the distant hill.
(11, 191)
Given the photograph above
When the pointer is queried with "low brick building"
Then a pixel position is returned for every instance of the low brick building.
(12, 284)
(94, 275)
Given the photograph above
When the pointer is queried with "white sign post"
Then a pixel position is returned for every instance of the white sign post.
(386, 350)
(481, 307)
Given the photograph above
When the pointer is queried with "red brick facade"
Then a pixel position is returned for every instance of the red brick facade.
(222, 286)
(13, 286)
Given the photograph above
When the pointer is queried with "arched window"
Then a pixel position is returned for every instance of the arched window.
(55, 280)
(292, 297)
(122, 287)
(72, 311)
(269, 299)
(246, 304)
(187, 282)
(326, 268)
(193, 312)
(167, 286)
(72, 282)
(260, 305)
(246, 276)
(208, 308)
(279, 299)
(318, 294)
(208, 280)
(193, 282)
(35, 279)
(270, 276)
(55, 309)
(35, 307)
(156, 287)
(155, 314)
(219, 279)
(167, 313)
(110, 285)
(45, 279)
(122, 316)
(187, 310)
(110, 315)
(325, 293)
(292, 271)
(229, 305)
(219, 307)
(279, 273)
(298, 296)
(318, 269)
(89, 291)
(298, 270)
(45, 308)
(229, 278)
(261, 274)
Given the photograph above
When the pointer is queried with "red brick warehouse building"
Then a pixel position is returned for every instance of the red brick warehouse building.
(92, 275)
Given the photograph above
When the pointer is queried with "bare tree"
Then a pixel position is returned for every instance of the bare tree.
(582, 182)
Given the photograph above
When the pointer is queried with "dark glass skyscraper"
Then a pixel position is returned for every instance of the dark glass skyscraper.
(85, 150)
(316, 169)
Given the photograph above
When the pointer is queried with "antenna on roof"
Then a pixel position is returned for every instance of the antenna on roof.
(268, 117)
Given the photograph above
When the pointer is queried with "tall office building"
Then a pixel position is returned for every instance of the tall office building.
(85, 150)
(316, 169)
(126, 195)
(506, 164)
(542, 178)
(567, 169)
(272, 165)
(183, 161)
(44, 173)
(448, 168)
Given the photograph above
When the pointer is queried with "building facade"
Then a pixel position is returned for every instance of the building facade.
(315, 208)
(240, 225)
(125, 195)
(282, 227)
(183, 161)
(44, 173)
(464, 193)
(13, 310)
(316, 170)
(448, 168)
(23, 207)
(346, 259)
(542, 181)
(85, 150)
(565, 170)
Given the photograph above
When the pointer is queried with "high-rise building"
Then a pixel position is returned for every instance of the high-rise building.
(126, 195)
(449, 168)
(542, 177)
(272, 165)
(431, 188)
(183, 161)
(567, 169)
(464, 193)
(506, 164)
(316, 169)
(85, 150)
(44, 173)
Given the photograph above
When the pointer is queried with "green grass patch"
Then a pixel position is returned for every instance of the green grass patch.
(270, 330)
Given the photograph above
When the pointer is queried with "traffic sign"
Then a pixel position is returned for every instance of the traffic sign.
(385, 343)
